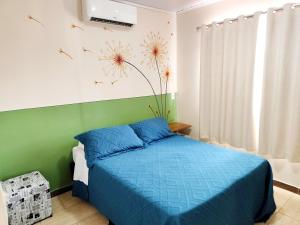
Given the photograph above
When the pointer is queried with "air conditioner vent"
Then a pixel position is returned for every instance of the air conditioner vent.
(111, 22)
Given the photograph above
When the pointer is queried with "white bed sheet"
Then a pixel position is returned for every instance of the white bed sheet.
(81, 171)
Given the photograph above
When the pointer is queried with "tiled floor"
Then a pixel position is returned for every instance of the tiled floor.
(72, 211)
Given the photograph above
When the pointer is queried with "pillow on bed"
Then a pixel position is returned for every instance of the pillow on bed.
(101, 143)
(152, 129)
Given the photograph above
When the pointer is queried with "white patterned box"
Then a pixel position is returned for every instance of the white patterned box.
(28, 199)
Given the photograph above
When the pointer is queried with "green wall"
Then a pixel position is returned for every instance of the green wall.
(42, 138)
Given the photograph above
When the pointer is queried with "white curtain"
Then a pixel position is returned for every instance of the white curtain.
(280, 116)
(226, 82)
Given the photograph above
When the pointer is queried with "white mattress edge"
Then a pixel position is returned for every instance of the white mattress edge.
(81, 171)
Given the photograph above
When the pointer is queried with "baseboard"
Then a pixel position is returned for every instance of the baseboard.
(286, 187)
(61, 191)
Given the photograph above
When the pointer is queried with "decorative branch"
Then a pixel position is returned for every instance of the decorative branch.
(34, 19)
(61, 51)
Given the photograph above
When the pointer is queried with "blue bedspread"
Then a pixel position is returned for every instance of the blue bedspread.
(179, 181)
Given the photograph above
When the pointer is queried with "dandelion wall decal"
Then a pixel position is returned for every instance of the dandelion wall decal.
(150, 107)
(113, 82)
(87, 50)
(107, 29)
(166, 74)
(115, 55)
(168, 113)
(76, 27)
(35, 20)
(154, 50)
(98, 82)
(61, 51)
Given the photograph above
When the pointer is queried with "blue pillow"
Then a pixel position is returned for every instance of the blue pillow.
(101, 143)
(152, 129)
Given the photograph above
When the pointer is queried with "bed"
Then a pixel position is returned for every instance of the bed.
(180, 181)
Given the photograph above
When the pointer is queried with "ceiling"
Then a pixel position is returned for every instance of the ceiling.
(173, 5)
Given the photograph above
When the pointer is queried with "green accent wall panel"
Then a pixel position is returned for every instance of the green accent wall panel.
(42, 138)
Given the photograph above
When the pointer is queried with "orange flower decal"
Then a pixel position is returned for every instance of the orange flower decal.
(119, 59)
(155, 50)
(116, 54)
(167, 73)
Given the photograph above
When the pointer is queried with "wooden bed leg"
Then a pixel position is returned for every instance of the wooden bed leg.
(110, 223)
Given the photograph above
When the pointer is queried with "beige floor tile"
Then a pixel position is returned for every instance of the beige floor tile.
(96, 219)
(71, 215)
(68, 210)
(67, 200)
(57, 205)
(281, 219)
(281, 196)
(292, 207)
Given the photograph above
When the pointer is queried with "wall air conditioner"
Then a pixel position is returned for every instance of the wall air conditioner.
(108, 11)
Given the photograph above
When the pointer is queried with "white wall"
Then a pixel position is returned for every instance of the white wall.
(189, 65)
(34, 74)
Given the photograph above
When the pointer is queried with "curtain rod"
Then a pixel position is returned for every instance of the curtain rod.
(294, 5)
